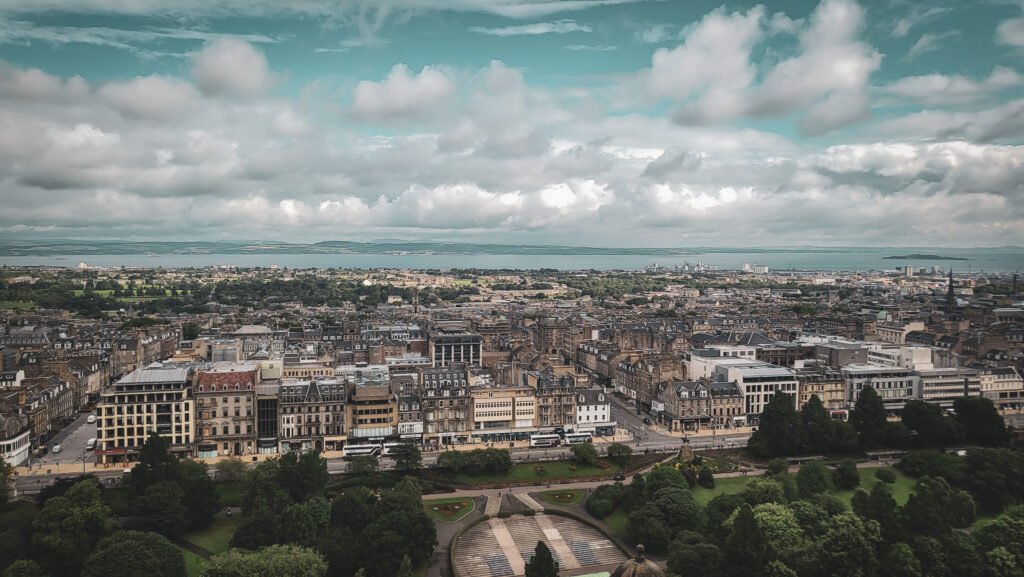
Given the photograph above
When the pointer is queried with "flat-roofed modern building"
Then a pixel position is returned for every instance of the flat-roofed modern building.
(454, 342)
(759, 382)
(896, 385)
(943, 386)
(157, 398)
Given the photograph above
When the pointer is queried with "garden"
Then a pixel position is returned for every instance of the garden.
(449, 510)
(562, 497)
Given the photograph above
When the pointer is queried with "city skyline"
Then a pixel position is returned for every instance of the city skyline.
(586, 123)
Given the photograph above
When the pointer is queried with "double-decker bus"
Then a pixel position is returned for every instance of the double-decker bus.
(577, 438)
(389, 448)
(545, 440)
(352, 451)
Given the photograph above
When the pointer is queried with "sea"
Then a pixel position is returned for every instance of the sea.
(1007, 260)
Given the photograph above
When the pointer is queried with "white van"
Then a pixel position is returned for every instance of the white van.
(90, 444)
(57, 449)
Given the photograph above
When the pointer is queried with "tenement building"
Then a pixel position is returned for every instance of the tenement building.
(157, 399)
(226, 409)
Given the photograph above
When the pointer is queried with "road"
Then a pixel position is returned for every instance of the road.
(72, 440)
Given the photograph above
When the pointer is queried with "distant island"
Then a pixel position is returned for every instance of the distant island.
(917, 256)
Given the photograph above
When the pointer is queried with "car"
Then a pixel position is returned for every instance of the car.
(57, 448)
(647, 421)
(91, 419)
(620, 477)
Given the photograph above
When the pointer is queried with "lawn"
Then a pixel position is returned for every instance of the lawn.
(193, 563)
(563, 497)
(546, 472)
(900, 490)
(217, 537)
(230, 493)
(17, 305)
(449, 509)
(617, 522)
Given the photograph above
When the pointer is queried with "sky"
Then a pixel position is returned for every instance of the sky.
(581, 122)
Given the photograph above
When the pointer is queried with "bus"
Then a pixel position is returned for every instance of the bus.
(351, 451)
(577, 438)
(90, 444)
(545, 440)
(389, 448)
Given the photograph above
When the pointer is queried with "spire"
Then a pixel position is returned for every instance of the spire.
(950, 299)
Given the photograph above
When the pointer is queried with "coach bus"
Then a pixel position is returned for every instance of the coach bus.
(545, 440)
(351, 451)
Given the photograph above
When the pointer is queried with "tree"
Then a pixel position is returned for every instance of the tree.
(845, 476)
(813, 478)
(585, 453)
(935, 508)
(869, 418)
(844, 437)
(407, 456)
(619, 454)
(303, 476)
(761, 490)
(662, 477)
(276, 560)
(24, 568)
(817, 426)
(899, 561)
(690, 554)
(779, 430)
(898, 436)
(705, 478)
(777, 466)
(161, 508)
(135, 554)
(201, 500)
(156, 464)
(190, 331)
(364, 464)
(746, 549)
(981, 422)
(848, 547)
(69, 527)
(230, 469)
(995, 477)
(542, 564)
(929, 424)
(6, 477)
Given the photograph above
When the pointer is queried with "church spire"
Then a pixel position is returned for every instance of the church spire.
(950, 299)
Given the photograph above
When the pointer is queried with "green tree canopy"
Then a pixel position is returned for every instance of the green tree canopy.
(276, 561)
(869, 418)
(407, 457)
(542, 564)
(817, 426)
(981, 422)
(584, 453)
(69, 527)
(813, 478)
(779, 431)
(135, 554)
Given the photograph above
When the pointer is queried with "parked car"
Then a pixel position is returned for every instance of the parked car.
(91, 419)
(57, 449)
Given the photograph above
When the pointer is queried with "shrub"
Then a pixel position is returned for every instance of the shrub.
(777, 467)
(529, 513)
(705, 478)
(845, 475)
(600, 508)
(886, 475)
(813, 478)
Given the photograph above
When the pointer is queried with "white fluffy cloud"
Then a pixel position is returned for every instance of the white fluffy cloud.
(952, 89)
(1011, 32)
(401, 94)
(151, 96)
(231, 67)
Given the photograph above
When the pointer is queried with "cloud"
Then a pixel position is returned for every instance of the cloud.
(556, 27)
(654, 34)
(150, 96)
(590, 47)
(1011, 32)
(929, 42)
(952, 89)
(232, 67)
(400, 95)
(918, 15)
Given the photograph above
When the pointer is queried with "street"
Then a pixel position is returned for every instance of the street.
(72, 440)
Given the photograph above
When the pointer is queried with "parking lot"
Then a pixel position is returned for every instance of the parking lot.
(72, 440)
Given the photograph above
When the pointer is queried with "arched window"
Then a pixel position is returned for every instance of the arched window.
(200, 388)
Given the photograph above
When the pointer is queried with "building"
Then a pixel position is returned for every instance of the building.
(687, 406)
(896, 385)
(727, 405)
(157, 398)
(312, 415)
(503, 412)
(758, 381)
(225, 396)
(445, 391)
(1003, 386)
(594, 412)
(373, 410)
(556, 399)
(828, 386)
(943, 386)
(410, 417)
(267, 417)
(14, 439)
(454, 342)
